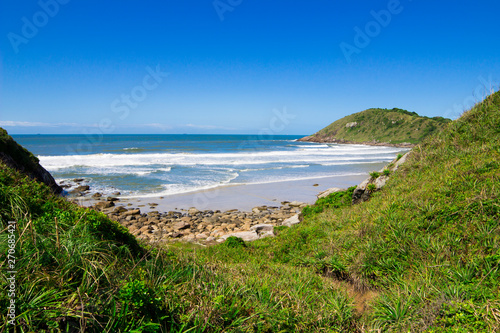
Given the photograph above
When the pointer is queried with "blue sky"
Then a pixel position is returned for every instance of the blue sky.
(238, 66)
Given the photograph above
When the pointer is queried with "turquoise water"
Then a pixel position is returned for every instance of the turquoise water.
(157, 165)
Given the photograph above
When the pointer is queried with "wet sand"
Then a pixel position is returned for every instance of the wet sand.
(242, 197)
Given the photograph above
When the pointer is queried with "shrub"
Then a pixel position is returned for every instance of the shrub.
(234, 242)
(375, 174)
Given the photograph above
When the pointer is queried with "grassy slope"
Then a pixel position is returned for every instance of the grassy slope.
(382, 125)
(18, 153)
(423, 254)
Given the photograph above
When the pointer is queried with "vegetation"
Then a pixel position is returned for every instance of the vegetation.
(18, 153)
(422, 255)
(394, 126)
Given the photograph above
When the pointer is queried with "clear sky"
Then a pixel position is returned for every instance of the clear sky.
(238, 66)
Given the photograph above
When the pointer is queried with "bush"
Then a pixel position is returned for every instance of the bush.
(234, 242)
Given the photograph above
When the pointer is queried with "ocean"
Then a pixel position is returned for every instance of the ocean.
(164, 165)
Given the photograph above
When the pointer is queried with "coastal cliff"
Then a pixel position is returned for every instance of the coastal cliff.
(380, 127)
(17, 157)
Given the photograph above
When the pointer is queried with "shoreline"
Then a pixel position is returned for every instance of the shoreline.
(243, 197)
(311, 138)
(249, 211)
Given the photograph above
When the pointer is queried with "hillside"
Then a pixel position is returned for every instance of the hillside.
(380, 126)
(15, 156)
(422, 255)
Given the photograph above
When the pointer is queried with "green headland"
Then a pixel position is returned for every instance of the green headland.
(380, 127)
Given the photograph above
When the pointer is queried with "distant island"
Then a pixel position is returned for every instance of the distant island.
(381, 127)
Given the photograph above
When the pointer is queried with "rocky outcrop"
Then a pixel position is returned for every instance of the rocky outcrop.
(376, 181)
(17, 157)
(203, 226)
(330, 139)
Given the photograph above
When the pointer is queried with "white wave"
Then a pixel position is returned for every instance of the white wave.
(173, 189)
(277, 168)
(316, 155)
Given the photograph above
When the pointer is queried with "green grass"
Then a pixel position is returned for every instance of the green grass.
(422, 255)
(383, 125)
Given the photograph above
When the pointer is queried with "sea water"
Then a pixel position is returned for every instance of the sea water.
(162, 165)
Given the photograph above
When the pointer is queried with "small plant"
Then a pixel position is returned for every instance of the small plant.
(375, 174)
(234, 242)
(371, 187)
(386, 172)
(399, 157)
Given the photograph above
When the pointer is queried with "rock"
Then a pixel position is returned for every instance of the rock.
(231, 211)
(133, 212)
(119, 209)
(81, 188)
(315, 184)
(186, 219)
(112, 199)
(350, 125)
(78, 180)
(201, 236)
(329, 191)
(104, 204)
(295, 204)
(176, 235)
(262, 228)
(296, 219)
(193, 211)
(210, 239)
(398, 163)
(116, 193)
(380, 181)
(181, 226)
(96, 195)
(247, 236)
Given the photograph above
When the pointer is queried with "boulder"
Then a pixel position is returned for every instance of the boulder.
(328, 192)
(133, 212)
(193, 211)
(181, 226)
(104, 204)
(80, 189)
(247, 236)
(296, 219)
(119, 209)
(263, 230)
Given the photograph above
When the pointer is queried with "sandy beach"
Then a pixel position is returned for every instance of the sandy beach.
(241, 197)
